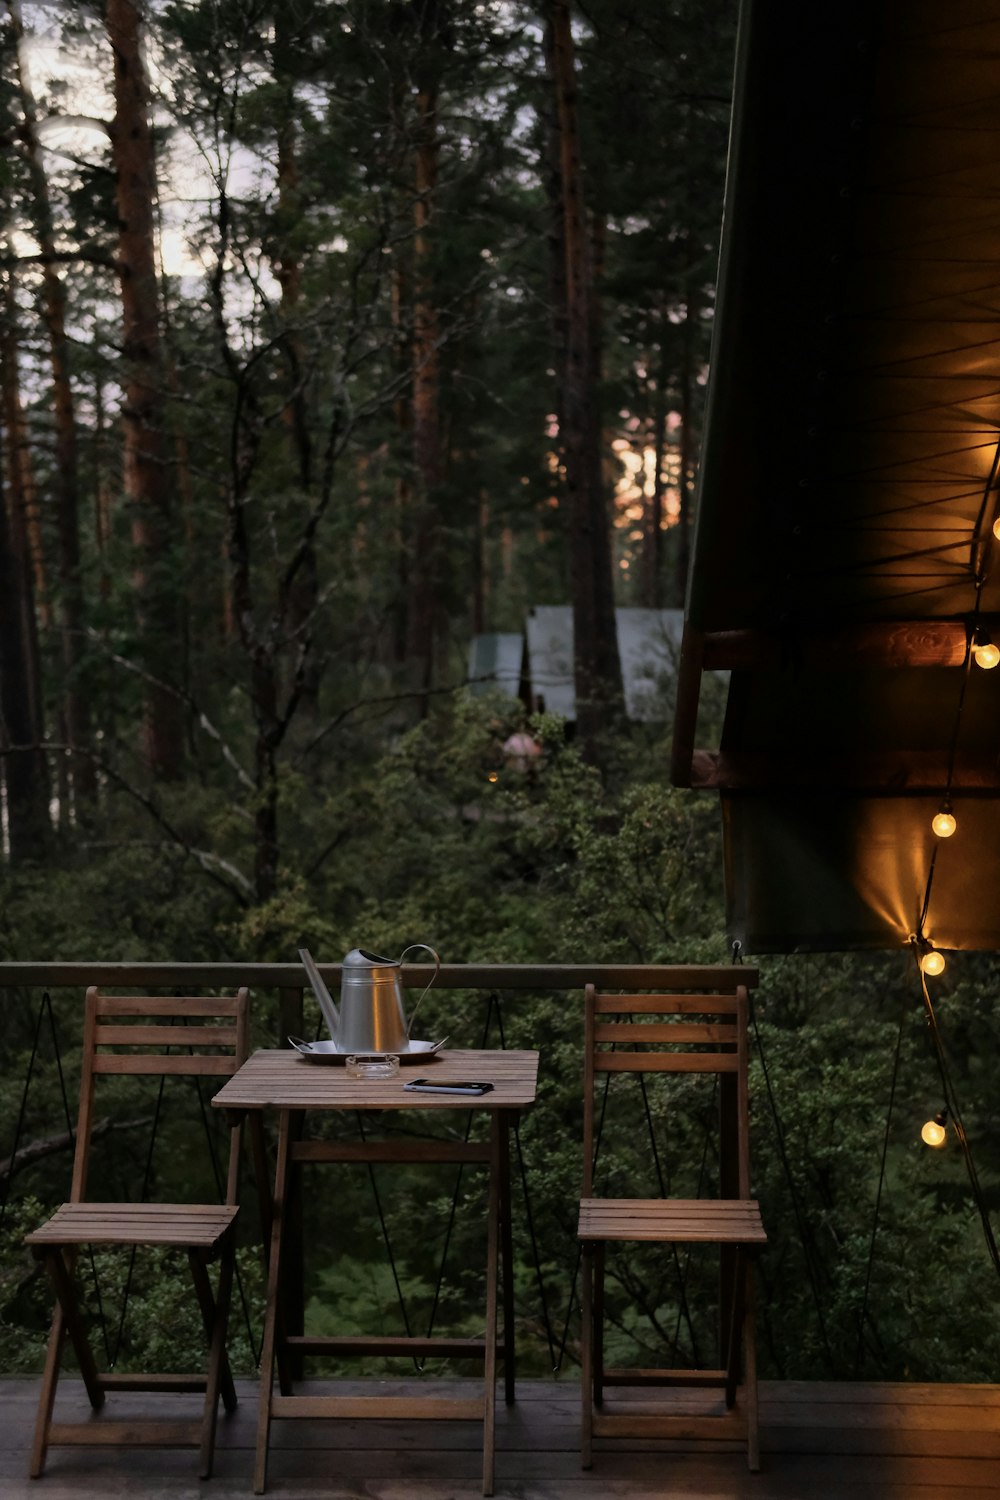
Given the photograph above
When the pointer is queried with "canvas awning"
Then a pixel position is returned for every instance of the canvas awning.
(844, 551)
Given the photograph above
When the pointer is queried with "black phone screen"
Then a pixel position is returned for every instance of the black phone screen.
(448, 1086)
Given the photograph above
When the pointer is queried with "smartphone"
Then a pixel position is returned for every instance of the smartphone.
(452, 1086)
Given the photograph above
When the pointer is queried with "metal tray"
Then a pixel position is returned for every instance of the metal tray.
(329, 1052)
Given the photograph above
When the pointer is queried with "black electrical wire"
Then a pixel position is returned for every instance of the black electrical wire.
(579, 1244)
(955, 1115)
(793, 1191)
(453, 1211)
(539, 1278)
(878, 1194)
(22, 1111)
(388, 1243)
(952, 752)
(147, 1173)
(221, 1193)
(684, 1311)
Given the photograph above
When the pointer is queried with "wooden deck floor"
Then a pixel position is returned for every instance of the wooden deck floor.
(859, 1442)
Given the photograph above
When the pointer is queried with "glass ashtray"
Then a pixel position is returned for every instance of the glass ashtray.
(372, 1065)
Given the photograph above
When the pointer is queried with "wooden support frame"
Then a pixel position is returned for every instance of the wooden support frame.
(879, 643)
(888, 773)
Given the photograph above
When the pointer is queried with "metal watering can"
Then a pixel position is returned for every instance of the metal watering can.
(372, 1015)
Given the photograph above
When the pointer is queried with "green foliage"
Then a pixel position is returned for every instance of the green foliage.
(416, 842)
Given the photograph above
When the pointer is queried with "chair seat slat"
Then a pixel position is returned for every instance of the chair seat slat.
(195, 1224)
(726, 1221)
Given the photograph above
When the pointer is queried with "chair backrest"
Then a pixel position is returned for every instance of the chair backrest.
(684, 1033)
(201, 1036)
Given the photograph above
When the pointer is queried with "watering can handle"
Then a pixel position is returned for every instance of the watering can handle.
(437, 969)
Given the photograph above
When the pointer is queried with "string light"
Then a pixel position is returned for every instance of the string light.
(932, 962)
(935, 1131)
(943, 822)
(987, 655)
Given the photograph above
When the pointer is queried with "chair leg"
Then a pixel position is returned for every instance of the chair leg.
(598, 1381)
(750, 1360)
(271, 1316)
(212, 1312)
(587, 1356)
(734, 1332)
(498, 1127)
(215, 1313)
(47, 1394)
(62, 1280)
(507, 1266)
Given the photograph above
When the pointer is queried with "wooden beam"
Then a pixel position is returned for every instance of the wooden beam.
(888, 643)
(689, 670)
(615, 976)
(884, 773)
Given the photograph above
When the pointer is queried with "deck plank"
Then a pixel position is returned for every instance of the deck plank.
(844, 1442)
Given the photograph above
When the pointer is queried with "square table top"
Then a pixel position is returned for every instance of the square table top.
(286, 1080)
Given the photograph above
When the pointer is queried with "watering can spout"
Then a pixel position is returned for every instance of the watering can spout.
(331, 1015)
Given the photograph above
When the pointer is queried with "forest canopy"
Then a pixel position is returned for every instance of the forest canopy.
(335, 334)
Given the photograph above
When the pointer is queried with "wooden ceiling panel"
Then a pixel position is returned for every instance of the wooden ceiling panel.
(844, 553)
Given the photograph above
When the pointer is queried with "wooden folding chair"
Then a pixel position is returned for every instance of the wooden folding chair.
(205, 1037)
(681, 1034)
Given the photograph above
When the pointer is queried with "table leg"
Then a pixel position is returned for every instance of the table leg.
(497, 1130)
(507, 1254)
(258, 1151)
(267, 1353)
(262, 1177)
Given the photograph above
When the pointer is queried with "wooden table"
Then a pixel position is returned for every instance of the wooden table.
(294, 1086)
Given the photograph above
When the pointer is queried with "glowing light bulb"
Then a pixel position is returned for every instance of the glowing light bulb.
(492, 776)
(932, 962)
(944, 823)
(987, 656)
(996, 528)
(934, 1132)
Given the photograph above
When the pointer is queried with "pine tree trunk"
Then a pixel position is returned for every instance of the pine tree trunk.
(652, 592)
(304, 591)
(21, 500)
(690, 344)
(67, 483)
(552, 177)
(403, 497)
(425, 580)
(145, 474)
(24, 770)
(597, 667)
